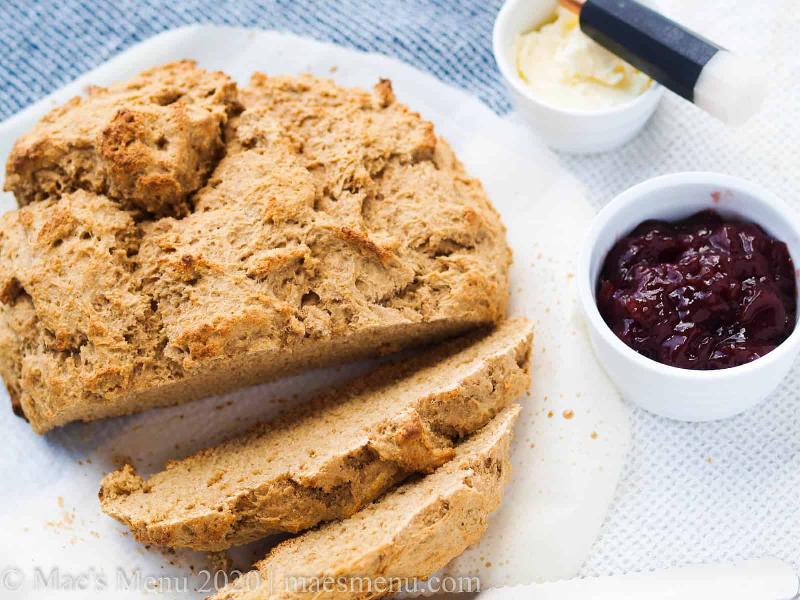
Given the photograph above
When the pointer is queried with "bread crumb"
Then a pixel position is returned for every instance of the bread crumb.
(568, 413)
(217, 475)
(66, 521)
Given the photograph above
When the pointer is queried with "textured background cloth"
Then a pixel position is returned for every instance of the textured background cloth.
(689, 492)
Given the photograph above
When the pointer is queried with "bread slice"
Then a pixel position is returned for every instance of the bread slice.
(338, 454)
(337, 226)
(408, 534)
(148, 142)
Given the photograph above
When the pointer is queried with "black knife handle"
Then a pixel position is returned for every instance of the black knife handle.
(654, 44)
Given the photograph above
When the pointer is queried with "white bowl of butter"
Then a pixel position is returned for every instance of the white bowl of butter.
(577, 95)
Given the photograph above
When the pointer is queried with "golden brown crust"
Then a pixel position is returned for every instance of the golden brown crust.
(336, 455)
(336, 226)
(409, 533)
(148, 142)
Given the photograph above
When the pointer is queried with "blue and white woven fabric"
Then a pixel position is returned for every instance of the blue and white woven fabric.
(45, 45)
(689, 492)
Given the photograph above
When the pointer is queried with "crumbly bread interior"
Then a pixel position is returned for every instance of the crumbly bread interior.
(336, 226)
(409, 533)
(337, 454)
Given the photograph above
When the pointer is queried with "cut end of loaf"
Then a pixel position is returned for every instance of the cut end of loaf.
(409, 533)
(332, 456)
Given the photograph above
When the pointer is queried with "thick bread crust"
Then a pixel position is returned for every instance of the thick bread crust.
(410, 533)
(148, 142)
(330, 459)
(337, 226)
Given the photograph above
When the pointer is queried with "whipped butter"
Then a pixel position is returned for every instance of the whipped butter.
(564, 67)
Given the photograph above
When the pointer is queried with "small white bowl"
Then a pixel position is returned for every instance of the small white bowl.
(670, 391)
(579, 131)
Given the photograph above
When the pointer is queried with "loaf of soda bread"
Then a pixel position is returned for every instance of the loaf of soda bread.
(180, 239)
(337, 454)
(407, 535)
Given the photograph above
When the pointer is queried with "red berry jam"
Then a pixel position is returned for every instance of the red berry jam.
(703, 293)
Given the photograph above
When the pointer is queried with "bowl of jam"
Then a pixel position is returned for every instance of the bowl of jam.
(689, 286)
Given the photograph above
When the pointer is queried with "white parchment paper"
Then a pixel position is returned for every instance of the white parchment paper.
(570, 441)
